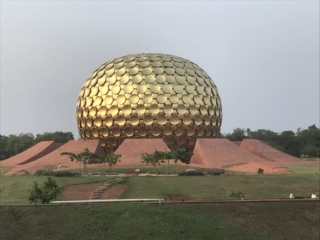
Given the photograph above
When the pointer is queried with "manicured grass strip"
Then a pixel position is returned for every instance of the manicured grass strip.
(3, 170)
(216, 187)
(152, 221)
(14, 189)
(303, 167)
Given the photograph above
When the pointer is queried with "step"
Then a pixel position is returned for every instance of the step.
(99, 190)
(96, 194)
(94, 197)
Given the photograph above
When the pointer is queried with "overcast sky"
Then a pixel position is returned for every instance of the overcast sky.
(262, 55)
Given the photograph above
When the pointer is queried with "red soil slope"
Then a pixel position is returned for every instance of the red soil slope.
(237, 142)
(54, 158)
(267, 152)
(215, 153)
(267, 166)
(31, 154)
(131, 149)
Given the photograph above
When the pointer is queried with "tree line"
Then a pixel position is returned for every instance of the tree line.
(14, 144)
(302, 143)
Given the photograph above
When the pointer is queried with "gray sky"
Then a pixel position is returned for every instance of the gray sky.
(263, 56)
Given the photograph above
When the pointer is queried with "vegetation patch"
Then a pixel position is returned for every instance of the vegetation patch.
(63, 173)
(294, 220)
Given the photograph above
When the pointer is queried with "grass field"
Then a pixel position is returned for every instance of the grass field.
(216, 187)
(304, 167)
(238, 220)
(14, 189)
(275, 220)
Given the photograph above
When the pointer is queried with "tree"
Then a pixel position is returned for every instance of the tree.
(238, 135)
(85, 157)
(182, 155)
(150, 158)
(18, 143)
(163, 156)
(179, 154)
(3, 146)
(60, 137)
(45, 194)
(112, 159)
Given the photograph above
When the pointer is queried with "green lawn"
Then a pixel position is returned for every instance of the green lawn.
(14, 189)
(276, 220)
(162, 169)
(304, 167)
(216, 187)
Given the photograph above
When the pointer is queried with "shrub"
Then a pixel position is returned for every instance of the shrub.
(235, 194)
(215, 171)
(191, 173)
(45, 194)
(65, 173)
(98, 173)
(43, 172)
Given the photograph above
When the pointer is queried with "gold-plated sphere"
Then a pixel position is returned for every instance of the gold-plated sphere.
(149, 96)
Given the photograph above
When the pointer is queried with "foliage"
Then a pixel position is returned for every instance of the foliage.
(191, 173)
(111, 159)
(45, 194)
(303, 142)
(235, 194)
(61, 137)
(85, 157)
(215, 171)
(152, 159)
(182, 155)
(174, 154)
(173, 221)
(18, 143)
(14, 144)
(64, 173)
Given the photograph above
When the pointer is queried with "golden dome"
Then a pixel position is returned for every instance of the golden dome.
(149, 96)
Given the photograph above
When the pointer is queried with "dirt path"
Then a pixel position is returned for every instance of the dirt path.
(79, 192)
(83, 191)
(114, 191)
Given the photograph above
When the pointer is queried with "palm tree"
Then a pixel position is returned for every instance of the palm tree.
(85, 157)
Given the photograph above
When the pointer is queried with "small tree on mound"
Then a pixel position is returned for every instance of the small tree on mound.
(85, 157)
(182, 155)
(176, 154)
(112, 159)
(45, 194)
(151, 158)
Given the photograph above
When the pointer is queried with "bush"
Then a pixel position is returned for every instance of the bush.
(215, 171)
(43, 172)
(235, 194)
(191, 173)
(65, 173)
(45, 194)
(98, 173)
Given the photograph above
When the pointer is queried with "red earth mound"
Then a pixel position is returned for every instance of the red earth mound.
(267, 152)
(176, 197)
(215, 153)
(135, 172)
(54, 158)
(132, 149)
(253, 167)
(31, 154)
